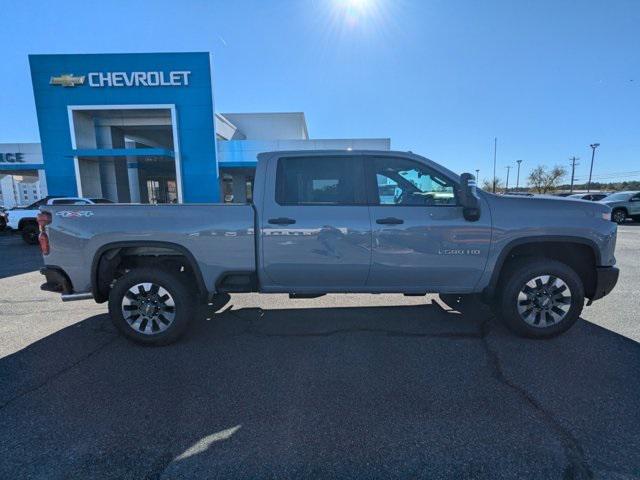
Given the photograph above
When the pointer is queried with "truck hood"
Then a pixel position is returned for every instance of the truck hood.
(547, 206)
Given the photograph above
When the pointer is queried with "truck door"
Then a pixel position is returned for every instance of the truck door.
(315, 227)
(421, 240)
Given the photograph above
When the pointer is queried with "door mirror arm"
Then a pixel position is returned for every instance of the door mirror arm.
(469, 198)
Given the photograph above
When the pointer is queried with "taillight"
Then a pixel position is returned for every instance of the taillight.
(44, 219)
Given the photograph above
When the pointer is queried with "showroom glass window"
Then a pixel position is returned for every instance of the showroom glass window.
(320, 180)
(404, 182)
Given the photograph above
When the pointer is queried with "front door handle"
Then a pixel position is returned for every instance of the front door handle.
(281, 221)
(389, 221)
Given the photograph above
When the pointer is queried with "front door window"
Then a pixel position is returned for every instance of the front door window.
(407, 183)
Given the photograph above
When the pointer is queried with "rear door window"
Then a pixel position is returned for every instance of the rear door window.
(320, 180)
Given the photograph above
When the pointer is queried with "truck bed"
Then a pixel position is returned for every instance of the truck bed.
(218, 237)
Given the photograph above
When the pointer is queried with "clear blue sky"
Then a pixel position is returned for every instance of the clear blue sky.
(439, 77)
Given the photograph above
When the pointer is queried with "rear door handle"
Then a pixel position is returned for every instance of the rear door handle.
(390, 221)
(281, 221)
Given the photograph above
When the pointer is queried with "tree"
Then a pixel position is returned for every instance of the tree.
(543, 181)
(487, 185)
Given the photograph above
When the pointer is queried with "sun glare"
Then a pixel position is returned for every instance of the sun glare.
(355, 10)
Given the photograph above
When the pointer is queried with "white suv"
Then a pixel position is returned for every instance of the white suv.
(23, 219)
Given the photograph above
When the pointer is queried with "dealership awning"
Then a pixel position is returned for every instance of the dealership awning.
(19, 167)
(122, 152)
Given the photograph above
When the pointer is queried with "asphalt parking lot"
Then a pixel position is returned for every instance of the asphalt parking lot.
(337, 387)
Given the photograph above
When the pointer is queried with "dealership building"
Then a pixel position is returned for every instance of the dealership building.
(143, 128)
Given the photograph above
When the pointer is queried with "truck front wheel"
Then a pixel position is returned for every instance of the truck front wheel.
(151, 306)
(540, 297)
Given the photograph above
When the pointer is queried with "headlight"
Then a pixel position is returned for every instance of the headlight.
(606, 216)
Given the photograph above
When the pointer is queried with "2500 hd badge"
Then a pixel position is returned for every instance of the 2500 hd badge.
(456, 251)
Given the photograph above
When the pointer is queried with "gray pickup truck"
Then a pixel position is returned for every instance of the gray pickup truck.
(336, 222)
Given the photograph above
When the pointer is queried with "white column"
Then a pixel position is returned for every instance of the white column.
(8, 196)
(134, 185)
(42, 179)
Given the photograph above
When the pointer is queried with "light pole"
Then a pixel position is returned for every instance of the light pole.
(495, 153)
(593, 155)
(506, 187)
(518, 176)
(477, 174)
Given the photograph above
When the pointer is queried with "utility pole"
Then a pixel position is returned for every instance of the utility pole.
(495, 150)
(477, 174)
(593, 154)
(573, 170)
(518, 177)
(506, 188)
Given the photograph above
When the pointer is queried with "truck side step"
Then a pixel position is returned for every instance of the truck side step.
(306, 295)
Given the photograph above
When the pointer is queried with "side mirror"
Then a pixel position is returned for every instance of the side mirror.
(469, 198)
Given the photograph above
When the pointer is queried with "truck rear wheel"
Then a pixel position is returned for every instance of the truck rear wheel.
(151, 306)
(30, 233)
(540, 297)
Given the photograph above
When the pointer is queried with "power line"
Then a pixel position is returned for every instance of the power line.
(623, 176)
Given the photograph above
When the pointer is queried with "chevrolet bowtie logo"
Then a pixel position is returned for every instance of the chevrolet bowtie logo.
(67, 80)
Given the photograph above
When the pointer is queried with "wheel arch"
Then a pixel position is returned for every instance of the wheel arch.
(108, 257)
(581, 254)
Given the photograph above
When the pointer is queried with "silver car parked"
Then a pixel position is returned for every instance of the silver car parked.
(623, 205)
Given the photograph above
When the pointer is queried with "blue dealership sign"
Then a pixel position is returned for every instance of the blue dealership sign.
(179, 81)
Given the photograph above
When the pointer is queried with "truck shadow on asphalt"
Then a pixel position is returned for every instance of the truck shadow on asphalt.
(373, 392)
(17, 257)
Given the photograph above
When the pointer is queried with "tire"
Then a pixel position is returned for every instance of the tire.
(619, 215)
(155, 321)
(548, 314)
(463, 303)
(30, 233)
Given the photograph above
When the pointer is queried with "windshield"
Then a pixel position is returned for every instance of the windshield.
(617, 197)
(33, 206)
